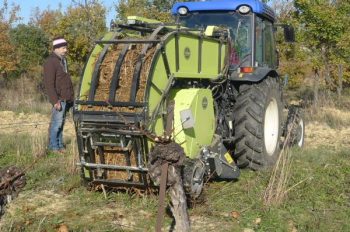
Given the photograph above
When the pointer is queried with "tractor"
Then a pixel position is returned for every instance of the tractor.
(207, 82)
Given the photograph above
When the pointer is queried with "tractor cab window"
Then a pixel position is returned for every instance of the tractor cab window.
(265, 54)
(239, 27)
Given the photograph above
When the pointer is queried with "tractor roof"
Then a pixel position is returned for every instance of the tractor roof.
(226, 5)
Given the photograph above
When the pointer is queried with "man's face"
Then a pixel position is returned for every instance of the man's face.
(62, 51)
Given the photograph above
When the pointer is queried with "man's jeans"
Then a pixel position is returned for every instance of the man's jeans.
(56, 127)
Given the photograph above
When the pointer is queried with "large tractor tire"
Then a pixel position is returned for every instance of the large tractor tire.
(257, 124)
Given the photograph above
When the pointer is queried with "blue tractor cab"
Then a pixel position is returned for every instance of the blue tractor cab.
(251, 28)
(254, 6)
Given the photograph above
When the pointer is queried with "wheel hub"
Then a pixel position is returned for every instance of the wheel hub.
(194, 178)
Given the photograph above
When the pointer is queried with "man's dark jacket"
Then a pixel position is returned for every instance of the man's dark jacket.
(57, 82)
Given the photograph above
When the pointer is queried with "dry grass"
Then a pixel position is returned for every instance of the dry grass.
(73, 159)
(278, 186)
(30, 123)
(333, 117)
(23, 95)
(38, 144)
(327, 125)
(320, 134)
(123, 91)
(276, 190)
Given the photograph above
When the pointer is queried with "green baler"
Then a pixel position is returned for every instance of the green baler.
(204, 82)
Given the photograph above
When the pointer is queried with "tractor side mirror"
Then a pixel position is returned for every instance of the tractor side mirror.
(289, 34)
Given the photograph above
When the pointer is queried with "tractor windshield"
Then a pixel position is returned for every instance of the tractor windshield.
(239, 27)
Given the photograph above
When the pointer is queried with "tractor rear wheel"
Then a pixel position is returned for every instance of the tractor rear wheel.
(300, 133)
(257, 124)
(295, 127)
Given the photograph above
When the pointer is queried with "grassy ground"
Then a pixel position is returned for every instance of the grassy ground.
(54, 196)
(317, 195)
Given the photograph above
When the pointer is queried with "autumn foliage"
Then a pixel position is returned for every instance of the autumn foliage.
(322, 48)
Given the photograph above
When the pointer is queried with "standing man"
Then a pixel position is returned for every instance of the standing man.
(59, 88)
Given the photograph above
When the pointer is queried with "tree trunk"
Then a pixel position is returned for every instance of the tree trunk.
(340, 80)
(327, 75)
(174, 155)
(3, 78)
(316, 86)
(178, 202)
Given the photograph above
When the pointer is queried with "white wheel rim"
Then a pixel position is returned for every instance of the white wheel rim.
(301, 128)
(271, 127)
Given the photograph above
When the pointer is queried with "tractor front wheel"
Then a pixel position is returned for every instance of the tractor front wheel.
(257, 124)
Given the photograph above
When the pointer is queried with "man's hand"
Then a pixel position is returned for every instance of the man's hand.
(57, 106)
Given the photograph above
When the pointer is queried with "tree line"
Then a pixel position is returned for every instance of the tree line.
(321, 53)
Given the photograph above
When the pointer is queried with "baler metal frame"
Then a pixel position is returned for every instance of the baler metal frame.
(89, 123)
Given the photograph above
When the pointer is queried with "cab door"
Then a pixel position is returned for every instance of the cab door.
(265, 49)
